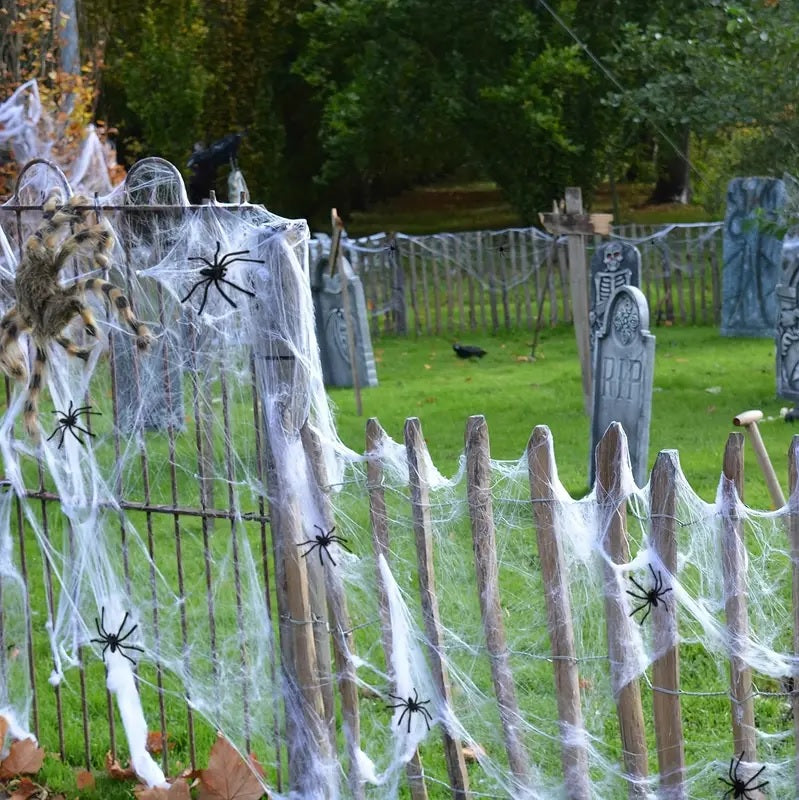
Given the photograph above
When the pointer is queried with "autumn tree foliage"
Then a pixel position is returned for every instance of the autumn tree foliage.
(38, 41)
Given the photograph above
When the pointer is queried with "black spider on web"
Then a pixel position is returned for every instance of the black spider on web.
(214, 273)
(68, 421)
(503, 249)
(115, 640)
(411, 705)
(323, 540)
(740, 788)
(651, 597)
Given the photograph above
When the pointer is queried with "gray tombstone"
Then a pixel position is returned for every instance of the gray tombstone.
(624, 367)
(331, 326)
(149, 386)
(752, 257)
(613, 265)
(788, 323)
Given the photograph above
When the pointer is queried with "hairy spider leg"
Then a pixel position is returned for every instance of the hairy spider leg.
(318, 542)
(100, 239)
(30, 412)
(229, 258)
(121, 306)
(12, 361)
(647, 606)
(235, 286)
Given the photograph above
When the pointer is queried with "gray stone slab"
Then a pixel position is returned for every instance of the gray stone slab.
(787, 334)
(624, 368)
(149, 386)
(752, 257)
(613, 265)
(331, 326)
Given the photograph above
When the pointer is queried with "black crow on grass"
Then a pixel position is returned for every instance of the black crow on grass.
(468, 350)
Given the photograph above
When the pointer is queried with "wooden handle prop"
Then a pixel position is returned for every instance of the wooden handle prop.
(746, 418)
(749, 420)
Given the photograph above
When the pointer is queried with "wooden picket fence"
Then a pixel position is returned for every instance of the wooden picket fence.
(454, 283)
(666, 697)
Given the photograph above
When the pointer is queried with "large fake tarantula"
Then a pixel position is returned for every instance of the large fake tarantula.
(44, 307)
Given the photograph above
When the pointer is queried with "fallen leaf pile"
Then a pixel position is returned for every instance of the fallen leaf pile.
(23, 758)
(227, 777)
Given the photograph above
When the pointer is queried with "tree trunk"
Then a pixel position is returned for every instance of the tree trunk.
(674, 172)
(68, 51)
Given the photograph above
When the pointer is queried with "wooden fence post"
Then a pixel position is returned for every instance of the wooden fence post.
(423, 531)
(611, 455)
(666, 669)
(793, 532)
(733, 563)
(375, 435)
(343, 640)
(279, 376)
(575, 225)
(574, 756)
(478, 487)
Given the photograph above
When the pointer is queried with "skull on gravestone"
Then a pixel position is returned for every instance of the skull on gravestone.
(613, 256)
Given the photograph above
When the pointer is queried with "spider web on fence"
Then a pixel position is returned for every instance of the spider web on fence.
(179, 429)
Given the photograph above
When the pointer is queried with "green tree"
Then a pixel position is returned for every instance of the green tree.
(707, 73)
(157, 71)
(409, 95)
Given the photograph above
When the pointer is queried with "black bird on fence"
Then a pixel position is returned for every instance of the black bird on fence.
(468, 350)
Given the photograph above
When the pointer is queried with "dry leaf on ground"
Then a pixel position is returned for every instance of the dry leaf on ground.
(179, 790)
(116, 770)
(24, 757)
(228, 777)
(25, 789)
(156, 741)
(84, 780)
(3, 730)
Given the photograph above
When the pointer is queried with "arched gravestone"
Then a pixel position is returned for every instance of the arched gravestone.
(331, 326)
(788, 323)
(149, 388)
(613, 265)
(752, 257)
(624, 369)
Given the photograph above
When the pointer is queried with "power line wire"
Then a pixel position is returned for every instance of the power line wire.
(615, 81)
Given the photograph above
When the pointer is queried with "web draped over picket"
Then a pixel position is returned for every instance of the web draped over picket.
(209, 518)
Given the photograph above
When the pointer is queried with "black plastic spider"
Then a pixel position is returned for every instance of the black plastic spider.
(115, 640)
(739, 787)
(323, 540)
(215, 271)
(649, 596)
(411, 705)
(68, 421)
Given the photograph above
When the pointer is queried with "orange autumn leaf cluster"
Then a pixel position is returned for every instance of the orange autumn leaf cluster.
(23, 758)
(227, 777)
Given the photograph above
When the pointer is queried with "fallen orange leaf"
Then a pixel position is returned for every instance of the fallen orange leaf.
(23, 757)
(228, 777)
(84, 780)
(25, 789)
(116, 770)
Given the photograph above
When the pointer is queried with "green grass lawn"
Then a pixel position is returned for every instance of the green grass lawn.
(701, 381)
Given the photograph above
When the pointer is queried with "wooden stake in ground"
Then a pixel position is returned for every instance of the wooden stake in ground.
(575, 225)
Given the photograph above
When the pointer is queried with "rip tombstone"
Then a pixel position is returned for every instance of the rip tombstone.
(613, 265)
(624, 362)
